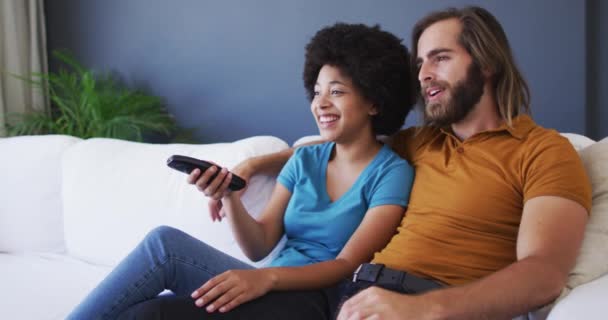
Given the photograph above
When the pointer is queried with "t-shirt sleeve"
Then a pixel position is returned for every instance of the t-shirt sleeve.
(288, 175)
(393, 186)
(553, 168)
(406, 142)
(401, 142)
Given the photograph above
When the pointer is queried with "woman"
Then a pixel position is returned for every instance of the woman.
(337, 202)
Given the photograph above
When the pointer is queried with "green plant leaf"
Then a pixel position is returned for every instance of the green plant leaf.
(86, 104)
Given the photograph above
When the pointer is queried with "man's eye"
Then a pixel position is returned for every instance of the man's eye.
(442, 58)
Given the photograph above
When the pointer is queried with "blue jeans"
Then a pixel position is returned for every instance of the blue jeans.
(167, 258)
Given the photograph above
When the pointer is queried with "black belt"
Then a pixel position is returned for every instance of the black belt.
(392, 279)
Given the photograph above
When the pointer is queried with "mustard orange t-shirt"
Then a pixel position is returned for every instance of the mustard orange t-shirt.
(468, 196)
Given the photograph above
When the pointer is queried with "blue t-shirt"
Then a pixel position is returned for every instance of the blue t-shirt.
(317, 228)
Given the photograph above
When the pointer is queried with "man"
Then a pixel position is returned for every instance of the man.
(499, 205)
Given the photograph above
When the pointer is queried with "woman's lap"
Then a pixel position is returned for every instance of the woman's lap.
(292, 305)
(166, 259)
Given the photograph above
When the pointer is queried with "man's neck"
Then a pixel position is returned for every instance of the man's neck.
(483, 117)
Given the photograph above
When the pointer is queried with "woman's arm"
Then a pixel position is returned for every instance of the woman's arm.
(266, 164)
(374, 232)
(269, 164)
(235, 287)
(257, 237)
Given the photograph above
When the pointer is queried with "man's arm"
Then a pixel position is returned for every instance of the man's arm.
(270, 164)
(266, 164)
(550, 235)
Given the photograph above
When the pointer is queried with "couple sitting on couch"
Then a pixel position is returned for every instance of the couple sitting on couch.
(493, 222)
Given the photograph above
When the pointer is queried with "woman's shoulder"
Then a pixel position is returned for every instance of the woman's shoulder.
(390, 156)
(313, 150)
(389, 162)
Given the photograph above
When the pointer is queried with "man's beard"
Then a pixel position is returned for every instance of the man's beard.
(466, 94)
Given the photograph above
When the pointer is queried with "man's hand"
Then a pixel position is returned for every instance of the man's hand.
(232, 288)
(378, 303)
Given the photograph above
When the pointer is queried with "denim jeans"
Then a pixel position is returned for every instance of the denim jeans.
(275, 305)
(167, 258)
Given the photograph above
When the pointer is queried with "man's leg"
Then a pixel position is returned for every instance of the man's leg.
(166, 259)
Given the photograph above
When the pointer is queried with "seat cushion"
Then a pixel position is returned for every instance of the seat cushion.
(44, 286)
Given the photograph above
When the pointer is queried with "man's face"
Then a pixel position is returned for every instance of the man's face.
(451, 83)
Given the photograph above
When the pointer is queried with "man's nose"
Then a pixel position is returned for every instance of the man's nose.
(425, 74)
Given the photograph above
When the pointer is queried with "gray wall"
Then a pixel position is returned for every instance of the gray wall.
(232, 68)
(597, 68)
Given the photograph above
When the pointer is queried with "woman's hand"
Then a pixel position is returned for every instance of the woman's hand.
(215, 188)
(242, 170)
(232, 288)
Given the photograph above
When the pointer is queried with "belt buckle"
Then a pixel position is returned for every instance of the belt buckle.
(369, 272)
(356, 273)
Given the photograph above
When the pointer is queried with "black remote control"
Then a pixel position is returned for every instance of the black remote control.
(187, 164)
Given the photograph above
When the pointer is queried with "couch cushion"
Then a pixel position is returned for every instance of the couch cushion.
(44, 286)
(30, 198)
(593, 258)
(115, 191)
(578, 141)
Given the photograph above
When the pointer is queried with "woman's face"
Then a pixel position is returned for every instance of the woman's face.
(341, 112)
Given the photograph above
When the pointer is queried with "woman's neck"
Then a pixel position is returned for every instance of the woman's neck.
(360, 150)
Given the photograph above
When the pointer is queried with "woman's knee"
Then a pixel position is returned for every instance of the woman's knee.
(163, 232)
(164, 236)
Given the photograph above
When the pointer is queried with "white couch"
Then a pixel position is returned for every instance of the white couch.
(71, 208)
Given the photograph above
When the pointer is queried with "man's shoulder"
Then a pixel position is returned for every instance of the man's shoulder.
(413, 136)
(540, 138)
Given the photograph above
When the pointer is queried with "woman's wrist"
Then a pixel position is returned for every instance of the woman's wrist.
(272, 277)
(229, 201)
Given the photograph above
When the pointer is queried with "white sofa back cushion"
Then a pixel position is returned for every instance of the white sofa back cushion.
(114, 192)
(578, 141)
(30, 198)
(592, 261)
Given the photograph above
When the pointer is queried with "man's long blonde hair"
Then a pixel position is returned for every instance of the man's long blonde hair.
(485, 40)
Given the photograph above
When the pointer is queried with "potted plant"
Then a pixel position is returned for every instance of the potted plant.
(87, 105)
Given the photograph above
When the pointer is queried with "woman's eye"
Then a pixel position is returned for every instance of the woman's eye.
(336, 92)
(316, 93)
(442, 58)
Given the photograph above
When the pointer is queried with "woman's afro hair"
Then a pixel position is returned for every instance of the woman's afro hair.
(377, 63)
